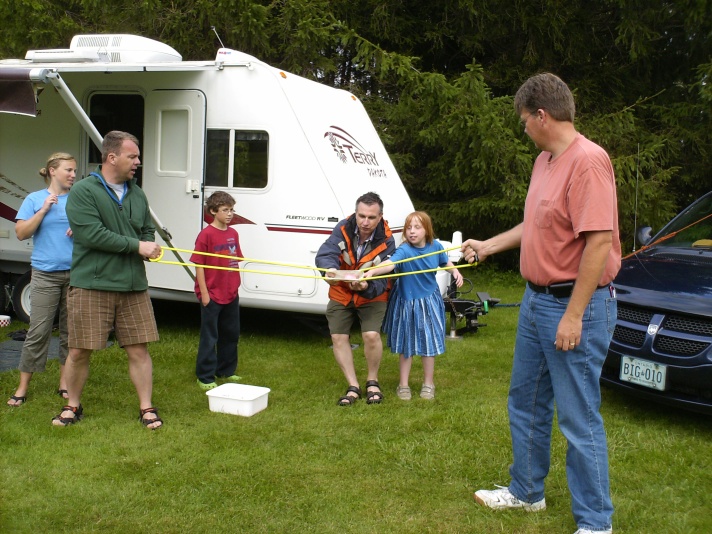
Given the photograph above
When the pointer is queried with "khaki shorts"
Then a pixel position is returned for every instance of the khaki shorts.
(93, 313)
(341, 318)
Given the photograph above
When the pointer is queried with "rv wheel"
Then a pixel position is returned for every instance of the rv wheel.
(4, 293)
(21, 297)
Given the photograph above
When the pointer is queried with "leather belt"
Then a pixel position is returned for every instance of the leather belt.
(563, 289)
(560, 290)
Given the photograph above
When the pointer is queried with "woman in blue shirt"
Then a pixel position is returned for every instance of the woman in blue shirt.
(42, 217)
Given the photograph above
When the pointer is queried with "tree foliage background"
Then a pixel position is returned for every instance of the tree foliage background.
(438, 79)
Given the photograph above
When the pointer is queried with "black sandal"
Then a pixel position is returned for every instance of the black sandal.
(62, 393)
(373, 397)
(77, 414)
(21, 400)
(147, 422)
(350, 400)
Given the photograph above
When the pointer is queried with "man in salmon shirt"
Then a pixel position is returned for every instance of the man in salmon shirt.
(570, 253)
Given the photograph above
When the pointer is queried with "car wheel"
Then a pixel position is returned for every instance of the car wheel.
(21, 297)
(4, 301)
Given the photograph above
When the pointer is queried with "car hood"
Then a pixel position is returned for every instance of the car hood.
(668, 279)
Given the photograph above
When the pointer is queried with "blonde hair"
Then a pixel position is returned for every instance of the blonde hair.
(53, 162)
(425, 220)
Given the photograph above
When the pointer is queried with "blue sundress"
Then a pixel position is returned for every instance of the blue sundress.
(415, 318)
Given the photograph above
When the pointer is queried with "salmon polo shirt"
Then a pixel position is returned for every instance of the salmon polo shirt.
(568, 195)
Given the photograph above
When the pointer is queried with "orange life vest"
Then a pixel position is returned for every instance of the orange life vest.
(341, 292)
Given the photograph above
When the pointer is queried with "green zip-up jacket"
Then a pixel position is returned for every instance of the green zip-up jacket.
(106, 237)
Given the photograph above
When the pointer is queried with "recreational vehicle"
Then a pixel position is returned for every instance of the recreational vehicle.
(294, 153)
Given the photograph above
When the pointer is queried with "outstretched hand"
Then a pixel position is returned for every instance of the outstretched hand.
(473, 251)
(365, 274)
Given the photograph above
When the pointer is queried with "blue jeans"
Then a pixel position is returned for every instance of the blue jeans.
(219, 334)
(542, 375)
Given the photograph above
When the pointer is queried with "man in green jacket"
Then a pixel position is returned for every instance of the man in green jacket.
(113, 236)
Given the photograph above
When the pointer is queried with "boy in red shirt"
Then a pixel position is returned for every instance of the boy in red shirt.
(217, 292)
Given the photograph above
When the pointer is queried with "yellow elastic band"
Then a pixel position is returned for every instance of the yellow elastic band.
(297, 266)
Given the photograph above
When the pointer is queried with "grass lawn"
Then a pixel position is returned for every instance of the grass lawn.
(306, 465)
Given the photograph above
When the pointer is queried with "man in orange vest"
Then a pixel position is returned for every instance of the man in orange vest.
(361, 240)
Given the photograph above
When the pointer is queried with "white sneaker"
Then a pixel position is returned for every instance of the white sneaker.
(427, 392)
(403, 392)
(502, 499)
(589, 531)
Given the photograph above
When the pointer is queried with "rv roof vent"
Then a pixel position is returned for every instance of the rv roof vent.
(62, 55)
(116, 48)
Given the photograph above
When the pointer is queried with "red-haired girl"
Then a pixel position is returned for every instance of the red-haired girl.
(415, 320)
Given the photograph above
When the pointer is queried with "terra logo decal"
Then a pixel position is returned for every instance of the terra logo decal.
(348, 149)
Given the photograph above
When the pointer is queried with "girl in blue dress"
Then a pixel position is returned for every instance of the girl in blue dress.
(415, 319)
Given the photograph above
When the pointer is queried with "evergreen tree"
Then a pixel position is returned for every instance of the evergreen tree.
(438, 81)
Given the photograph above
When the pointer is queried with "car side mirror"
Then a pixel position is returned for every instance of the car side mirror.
(644, 235)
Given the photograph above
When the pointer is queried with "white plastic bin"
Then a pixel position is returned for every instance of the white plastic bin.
(238, 399)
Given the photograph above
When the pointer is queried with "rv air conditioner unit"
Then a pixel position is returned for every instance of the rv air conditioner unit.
(115, 48)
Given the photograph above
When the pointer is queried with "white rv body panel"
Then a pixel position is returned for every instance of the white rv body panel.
(322, 153)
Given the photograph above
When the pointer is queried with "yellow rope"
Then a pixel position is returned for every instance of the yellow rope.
(297, 266)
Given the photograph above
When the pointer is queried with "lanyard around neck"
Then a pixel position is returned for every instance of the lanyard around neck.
(119, 201)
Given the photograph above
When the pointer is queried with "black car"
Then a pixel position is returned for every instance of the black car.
(662, 344)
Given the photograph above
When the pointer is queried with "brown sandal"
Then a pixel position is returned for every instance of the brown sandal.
(77, 414)
(350, 400)
(373, 397)
(147, 422)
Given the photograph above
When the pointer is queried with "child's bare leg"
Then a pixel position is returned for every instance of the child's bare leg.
(405, 365)
(428, 370)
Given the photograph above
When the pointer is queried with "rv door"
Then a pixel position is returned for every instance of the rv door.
(173, 170)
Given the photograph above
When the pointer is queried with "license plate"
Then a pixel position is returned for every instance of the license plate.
(644, 373)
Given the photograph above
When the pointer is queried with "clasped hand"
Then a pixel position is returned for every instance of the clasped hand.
(149, 249)
(355, 285)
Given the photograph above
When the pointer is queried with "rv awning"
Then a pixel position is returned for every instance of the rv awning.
(16, 92)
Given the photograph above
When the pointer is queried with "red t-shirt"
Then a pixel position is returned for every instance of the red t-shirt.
(222, 284)
(571, 194)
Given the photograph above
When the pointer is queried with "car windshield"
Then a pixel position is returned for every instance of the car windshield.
(693, 226)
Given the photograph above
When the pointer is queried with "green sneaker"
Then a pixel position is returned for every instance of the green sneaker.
(233, 378)
(206, 387)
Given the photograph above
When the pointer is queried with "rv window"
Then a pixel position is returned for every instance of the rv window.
(242, 155)
(175, 137)
(217, 158)
(119, 111)
(250, 159)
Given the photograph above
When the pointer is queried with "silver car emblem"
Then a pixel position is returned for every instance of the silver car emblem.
(652, 329)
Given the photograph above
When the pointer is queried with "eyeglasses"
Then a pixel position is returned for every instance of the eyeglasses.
(524, 121)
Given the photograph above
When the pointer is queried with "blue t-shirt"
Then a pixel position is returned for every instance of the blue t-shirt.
(418, 286)
(52, 250)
